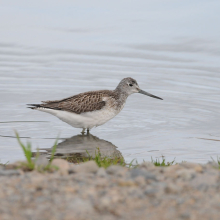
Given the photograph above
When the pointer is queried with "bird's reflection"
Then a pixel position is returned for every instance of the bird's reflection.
(78, 147)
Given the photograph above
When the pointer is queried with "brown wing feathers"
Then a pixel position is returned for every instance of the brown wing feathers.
(84, 102)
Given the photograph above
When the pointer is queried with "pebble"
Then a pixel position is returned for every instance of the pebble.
(116, 170)
(172, 188)
(186, 174)
(213, 164)
(63, 166)
(41, 161)
(147, 165)
(204, 181)
(140, 180)
(150, 191)
(87, 167)
(101, 172)
(9, 172)
(196, 167)
(140, 172)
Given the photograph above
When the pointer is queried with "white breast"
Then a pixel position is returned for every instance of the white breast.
(87, 119)
(84, 120)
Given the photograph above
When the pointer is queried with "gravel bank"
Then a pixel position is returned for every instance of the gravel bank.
(185, 191)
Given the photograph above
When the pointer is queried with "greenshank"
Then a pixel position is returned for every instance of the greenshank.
(91, 109)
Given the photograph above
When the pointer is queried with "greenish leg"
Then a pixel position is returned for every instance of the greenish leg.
(87, 130)
(83, 131)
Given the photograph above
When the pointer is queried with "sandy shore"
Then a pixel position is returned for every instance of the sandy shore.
(184, 191)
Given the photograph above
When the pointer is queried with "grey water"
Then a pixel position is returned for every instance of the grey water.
(54, 49)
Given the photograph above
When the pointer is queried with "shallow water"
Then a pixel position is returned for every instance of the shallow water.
(54, 50)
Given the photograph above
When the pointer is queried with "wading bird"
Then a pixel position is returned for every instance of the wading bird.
(91, 109)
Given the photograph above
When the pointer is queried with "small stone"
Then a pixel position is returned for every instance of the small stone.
(15, 165)
(212, 164)
(150, 191)
(172, 168)
(170, 172)
(127, 183)
(186, 174)
(172, 188)
(9, 172)
(41, 161)
(140, 172)
(103, 203)
(147, 165)
(62, 165)
(205, 180)
(122, 172)
(101, 172)
(140, 180)
(116, 169)
(87, 167)
(185, 216)
(101, 182)
(79, 205)
(196, 167)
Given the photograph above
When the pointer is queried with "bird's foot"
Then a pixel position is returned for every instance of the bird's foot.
(87, 131)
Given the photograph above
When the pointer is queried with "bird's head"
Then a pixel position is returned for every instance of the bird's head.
(129, 86)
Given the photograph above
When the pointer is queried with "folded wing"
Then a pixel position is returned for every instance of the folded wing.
(83, 102)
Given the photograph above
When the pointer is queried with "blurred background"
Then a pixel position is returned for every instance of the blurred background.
(54, 49)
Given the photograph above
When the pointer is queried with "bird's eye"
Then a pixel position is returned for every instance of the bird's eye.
(130, 85)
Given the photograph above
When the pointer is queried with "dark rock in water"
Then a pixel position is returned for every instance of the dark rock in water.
(78, 147)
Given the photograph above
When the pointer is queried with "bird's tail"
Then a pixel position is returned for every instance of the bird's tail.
(34, 106)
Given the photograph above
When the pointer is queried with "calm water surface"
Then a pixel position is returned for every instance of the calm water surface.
(56, 49)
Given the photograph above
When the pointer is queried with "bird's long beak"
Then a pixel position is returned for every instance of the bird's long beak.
(146, 93)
